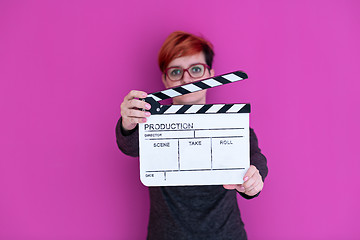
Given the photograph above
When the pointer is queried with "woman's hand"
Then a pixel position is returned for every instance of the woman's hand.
(131, 109)
(252, 185)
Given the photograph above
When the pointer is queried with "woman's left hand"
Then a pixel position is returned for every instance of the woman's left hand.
(252, 185)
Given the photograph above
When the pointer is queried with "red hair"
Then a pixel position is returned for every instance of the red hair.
(180, 44)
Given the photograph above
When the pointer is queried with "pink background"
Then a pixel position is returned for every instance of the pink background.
(65, 67)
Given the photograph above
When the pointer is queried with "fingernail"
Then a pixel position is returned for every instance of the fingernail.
(242, 189)
(144, 120)
(147, 114)
(246, 178)
(144, 95)
(148, 106)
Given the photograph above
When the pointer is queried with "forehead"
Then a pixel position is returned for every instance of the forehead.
(186, 61)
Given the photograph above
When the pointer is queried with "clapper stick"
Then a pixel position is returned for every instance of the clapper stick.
(154, 98)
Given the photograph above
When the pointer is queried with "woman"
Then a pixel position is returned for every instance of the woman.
(191, 212)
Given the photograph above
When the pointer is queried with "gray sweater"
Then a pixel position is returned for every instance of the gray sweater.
(193, 212)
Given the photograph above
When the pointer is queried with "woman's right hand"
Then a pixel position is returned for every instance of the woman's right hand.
(131, 109)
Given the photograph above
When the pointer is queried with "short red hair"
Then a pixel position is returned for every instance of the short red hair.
(180, 44)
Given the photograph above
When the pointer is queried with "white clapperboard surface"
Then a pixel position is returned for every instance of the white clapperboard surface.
(195, 144)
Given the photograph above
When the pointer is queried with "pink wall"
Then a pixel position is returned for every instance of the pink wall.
(65, 67)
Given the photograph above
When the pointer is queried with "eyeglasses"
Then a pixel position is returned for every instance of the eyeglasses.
(195, 71)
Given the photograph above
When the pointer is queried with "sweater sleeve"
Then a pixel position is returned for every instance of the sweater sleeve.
(257, 159)
(128, 142)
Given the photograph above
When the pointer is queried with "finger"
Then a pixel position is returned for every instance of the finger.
(241, 188)
(249, 183)
(135, 103)
(230, 186)
(250, 172)
(238, 187)
(253, 184)
(257, 182)
(135, 94)
(255, 190)
(253, 181)
(137, 113)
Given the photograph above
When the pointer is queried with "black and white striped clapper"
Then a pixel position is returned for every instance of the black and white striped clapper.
(154, 98)
(195, 144)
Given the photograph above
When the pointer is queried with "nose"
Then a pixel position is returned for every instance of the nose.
(186, 77)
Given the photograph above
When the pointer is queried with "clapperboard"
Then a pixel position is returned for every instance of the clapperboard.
(195, 144)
